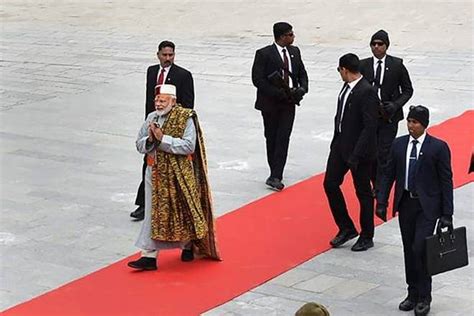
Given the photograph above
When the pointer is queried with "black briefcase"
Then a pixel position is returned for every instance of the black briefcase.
(446, 251)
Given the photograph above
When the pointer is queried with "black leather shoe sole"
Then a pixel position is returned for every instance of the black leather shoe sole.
(187, 255)
(422, 309)
(362, 246)
(275, 184)
(340, 240)
(143, 268)
(138, 214)
(407, 305)
(143, 263)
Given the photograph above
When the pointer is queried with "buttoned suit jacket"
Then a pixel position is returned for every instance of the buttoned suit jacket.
(359, 123)
(268, 60)
(396, 84)
(433, 176)
(177, 76)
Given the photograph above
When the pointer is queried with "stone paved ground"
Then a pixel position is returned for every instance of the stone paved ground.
(371, 283)
(72, 98)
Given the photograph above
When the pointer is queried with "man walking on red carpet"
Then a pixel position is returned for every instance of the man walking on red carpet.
(352, 148)
(178, 208)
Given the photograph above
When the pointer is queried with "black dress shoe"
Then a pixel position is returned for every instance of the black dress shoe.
(144, 263)
(407, 304)
(362, 244)
(342, 237)
(275, 184)
(422, 308)
(139, 213)
(187, 255)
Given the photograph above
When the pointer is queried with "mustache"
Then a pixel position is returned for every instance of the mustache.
(164, 111)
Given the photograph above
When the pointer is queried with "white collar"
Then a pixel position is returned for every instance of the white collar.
(280, 48)
(383, 60)
(353, 83)
(420, 139)
(167, 69)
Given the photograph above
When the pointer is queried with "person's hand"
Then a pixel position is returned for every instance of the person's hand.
(298, 93)
(446, 221)
(381, 212)
(157, 132)
(151, 136)
(353, 163)
(389, 108)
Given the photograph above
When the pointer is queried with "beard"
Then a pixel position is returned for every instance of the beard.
(165, 111)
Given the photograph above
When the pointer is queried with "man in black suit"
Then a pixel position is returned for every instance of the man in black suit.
(390, 77)
(352, 148)
(420, 166)
(277, 103)
(166, 72)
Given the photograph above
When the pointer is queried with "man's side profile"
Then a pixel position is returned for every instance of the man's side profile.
(352, 149)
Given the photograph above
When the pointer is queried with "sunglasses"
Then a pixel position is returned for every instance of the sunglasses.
(377, 43)
(289, 34)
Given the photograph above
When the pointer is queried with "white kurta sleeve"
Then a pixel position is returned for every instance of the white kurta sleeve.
(180, 146)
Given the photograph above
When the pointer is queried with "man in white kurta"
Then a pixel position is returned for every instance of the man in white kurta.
(150, 141)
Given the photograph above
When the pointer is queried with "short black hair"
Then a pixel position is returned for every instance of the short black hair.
(281, 28)
(350, 62)
(166, 44)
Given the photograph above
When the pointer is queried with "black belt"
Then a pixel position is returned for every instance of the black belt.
(411, 194)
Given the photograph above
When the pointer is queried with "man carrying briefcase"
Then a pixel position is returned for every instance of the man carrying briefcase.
(420, 166)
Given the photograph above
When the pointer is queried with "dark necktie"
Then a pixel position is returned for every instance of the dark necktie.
(412, 167)
(378, 74)
(340, 103)
(286, 67)
(161, 77)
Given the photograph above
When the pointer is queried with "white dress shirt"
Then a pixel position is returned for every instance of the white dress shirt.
(420, 140)
(382, 66)
(290, 69)
(165, 74)
(351, 85)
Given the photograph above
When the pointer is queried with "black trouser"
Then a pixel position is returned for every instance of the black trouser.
(415, 227)
(336, 169)
(278, 125)
(140, 200)
(386, 133)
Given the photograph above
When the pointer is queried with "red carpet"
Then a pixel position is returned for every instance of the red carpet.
(258, 242)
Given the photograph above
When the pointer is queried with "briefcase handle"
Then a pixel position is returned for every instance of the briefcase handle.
(439, 232)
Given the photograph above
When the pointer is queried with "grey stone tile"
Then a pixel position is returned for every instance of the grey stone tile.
(286, 292)
(320, 283)
(350, 289)
(241, 309)
(81, 91)
(249, 297)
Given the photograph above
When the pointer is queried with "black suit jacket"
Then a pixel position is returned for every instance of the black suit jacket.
(267, 60)
(177, 76)
(396, 83)
(359, 123)
(433, 177)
